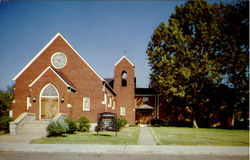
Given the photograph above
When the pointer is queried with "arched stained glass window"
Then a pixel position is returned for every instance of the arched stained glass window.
(50, 91)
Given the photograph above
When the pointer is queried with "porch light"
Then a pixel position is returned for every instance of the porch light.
(62, 100)
(34, 99)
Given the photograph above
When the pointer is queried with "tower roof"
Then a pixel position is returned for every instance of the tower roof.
(124, 57)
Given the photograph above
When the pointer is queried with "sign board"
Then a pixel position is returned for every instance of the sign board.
(107, 122)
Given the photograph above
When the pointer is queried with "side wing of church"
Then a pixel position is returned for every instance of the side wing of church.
(59, 80)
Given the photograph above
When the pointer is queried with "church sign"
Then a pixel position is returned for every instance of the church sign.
(107, 122)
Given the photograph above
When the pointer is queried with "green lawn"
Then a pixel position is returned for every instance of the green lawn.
(127, 135)
(200, 136)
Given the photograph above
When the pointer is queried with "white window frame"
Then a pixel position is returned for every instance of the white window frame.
(84, 104)
(113, 107)
(122, 111)
(105, 98)
(28, 103)
(110, 101)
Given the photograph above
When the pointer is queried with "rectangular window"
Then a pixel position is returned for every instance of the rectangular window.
(28, 103)
(105, 98)
(86, 104)
(122, 111)
(113, 107)
(110, 102)
(145, 99)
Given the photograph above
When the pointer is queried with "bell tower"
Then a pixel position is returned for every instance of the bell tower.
(124, 86)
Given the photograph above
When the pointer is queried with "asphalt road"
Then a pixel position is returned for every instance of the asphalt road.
(82, 156)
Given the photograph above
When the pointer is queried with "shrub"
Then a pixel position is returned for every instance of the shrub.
(4, 124)
(57, 128)
(158, 123)
(97, 128)
(83, 124)
(72, 126)
(120, 123)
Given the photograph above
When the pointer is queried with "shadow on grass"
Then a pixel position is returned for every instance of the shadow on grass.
(106, 135)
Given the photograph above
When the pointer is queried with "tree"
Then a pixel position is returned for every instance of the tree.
(6, 98)
(186, 55)
(234, 55)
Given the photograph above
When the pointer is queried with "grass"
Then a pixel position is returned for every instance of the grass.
(200, 136)
(126, 136)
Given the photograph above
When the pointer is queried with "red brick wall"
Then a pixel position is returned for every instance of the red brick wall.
(87, 83)
(125, 94)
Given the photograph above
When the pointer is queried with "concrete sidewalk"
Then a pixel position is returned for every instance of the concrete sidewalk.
(22, 144)
(146, 137)
(126, 149)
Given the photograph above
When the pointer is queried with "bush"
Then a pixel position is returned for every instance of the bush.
(57, 128)
(83, 124)
(120, 123)
(72, 126)
(158, 123)
(4, 123)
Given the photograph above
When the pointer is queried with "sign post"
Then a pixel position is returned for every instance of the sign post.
(106, 122)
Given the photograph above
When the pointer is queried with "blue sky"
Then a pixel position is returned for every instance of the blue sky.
(99, 31)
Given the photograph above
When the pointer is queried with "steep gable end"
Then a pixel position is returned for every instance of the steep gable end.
(45, 47)
(124, 57)
(60, 76)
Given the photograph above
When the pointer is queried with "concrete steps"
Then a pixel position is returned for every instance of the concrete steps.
(34, 128)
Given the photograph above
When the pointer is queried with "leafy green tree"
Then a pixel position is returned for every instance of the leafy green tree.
(6, 98)
(181, 54)
(190, 52)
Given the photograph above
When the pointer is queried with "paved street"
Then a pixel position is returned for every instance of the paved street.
(82, 156)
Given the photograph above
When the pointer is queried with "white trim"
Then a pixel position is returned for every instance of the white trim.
(28, 103)
(38, 54)
(38, 77)
(110, 102)
(126, 59)
(40, 99)
(113, 107)
(50, 96)
(45, 47)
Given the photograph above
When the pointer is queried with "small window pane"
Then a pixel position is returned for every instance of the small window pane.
(145, 99)
(86, 103)
(122, 111)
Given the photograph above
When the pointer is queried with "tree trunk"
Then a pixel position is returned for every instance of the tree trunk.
(194, 120)
(233, 118)
(195, 124)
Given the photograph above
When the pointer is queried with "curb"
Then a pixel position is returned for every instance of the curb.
(127, 149)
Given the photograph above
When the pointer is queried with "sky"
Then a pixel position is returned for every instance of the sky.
(101, 32)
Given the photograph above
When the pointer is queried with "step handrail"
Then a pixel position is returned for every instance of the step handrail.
(60, 116)
(19, 122)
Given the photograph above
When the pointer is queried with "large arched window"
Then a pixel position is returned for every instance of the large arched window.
(124, 78)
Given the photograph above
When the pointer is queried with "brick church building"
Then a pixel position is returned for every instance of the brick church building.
(59, 80)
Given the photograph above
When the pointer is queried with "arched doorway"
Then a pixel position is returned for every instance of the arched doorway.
(49, 102)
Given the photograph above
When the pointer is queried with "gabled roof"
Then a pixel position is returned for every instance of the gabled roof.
(145, 106)
(45, 47)
(59, 75)
(124, 57)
